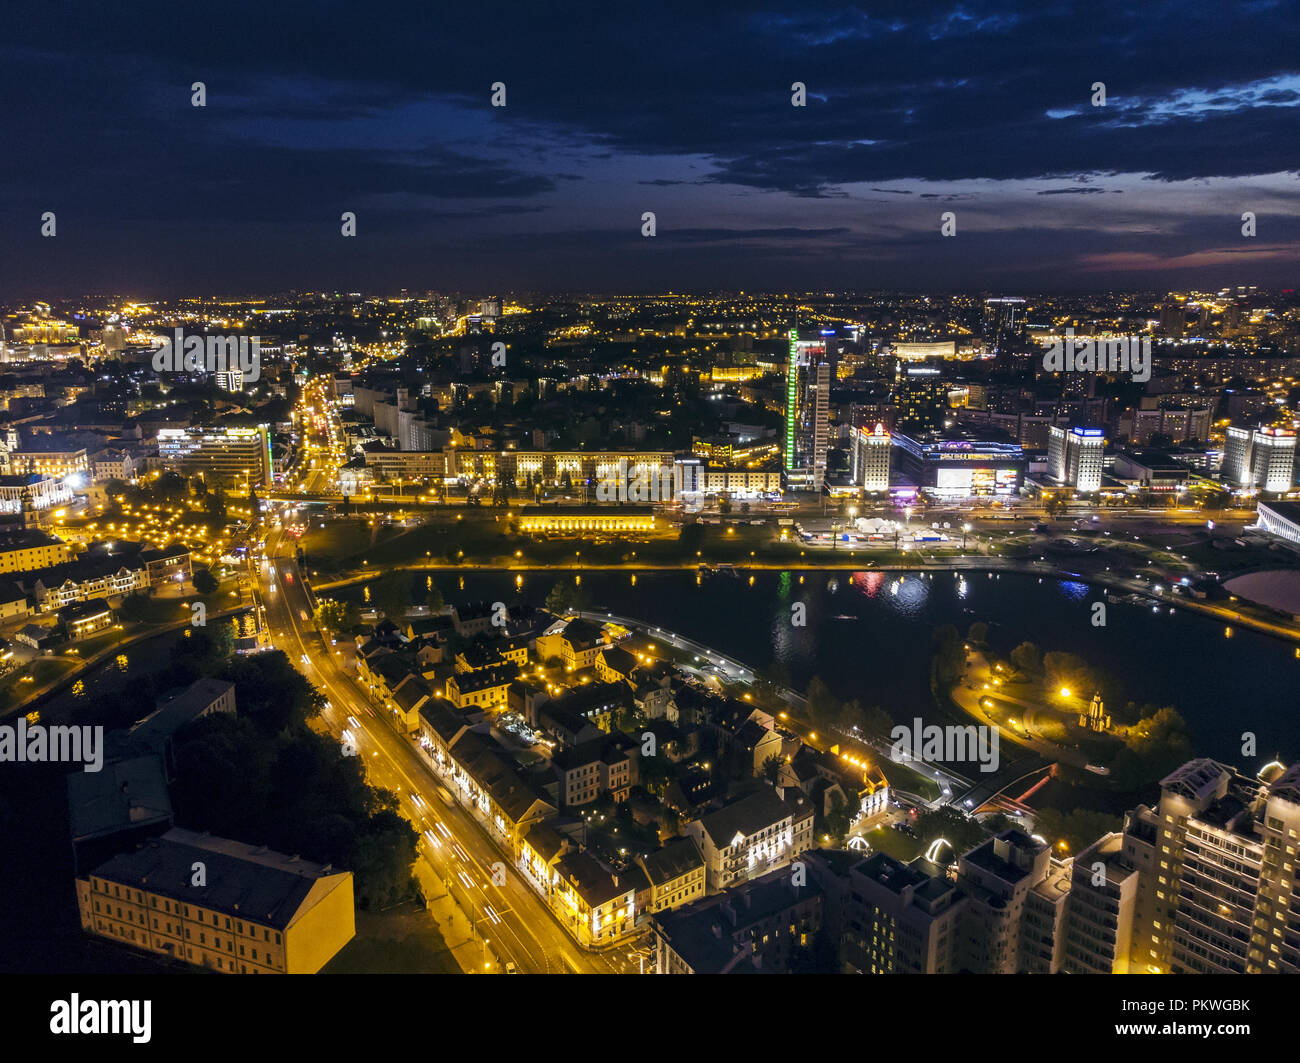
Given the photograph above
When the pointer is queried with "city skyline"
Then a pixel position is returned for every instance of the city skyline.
(732, 489)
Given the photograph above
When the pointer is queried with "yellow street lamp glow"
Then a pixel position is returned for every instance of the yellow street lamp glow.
(1065, 692)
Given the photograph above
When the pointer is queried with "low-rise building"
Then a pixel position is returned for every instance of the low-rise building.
(81, 620)
(750, 837)
(577, 643)
(598, 904)
(256, 911)
(30, 549)
(488, 686)
(902, 919)
(759, 926)
(203, 697)
(675, 873)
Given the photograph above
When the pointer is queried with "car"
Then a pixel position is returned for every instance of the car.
(510, 968)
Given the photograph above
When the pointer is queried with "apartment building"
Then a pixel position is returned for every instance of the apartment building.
(901, 919)
(488, 686)
(256, 911)
(1218, 898)
(30, 549)
(999, 877)
(1102, 909)
(751, 836)
(233, 455)
(758, 926)
(675, 873)
(590, 769)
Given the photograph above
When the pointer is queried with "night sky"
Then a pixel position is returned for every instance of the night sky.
(682, 109)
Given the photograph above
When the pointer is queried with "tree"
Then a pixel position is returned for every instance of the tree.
(771, 770)
(949, 656)
(566, 597)
(823, 706)
(134, 607)
(434, 599)
(557, 601)
(1027, 658)
(838, 819)
(205, 582)
(391, 594)
(691, 537)
(1070, 671)
(998, 822)
(272, 693)
(1153, 747)
(978, 633)
(1078, 828)
(948, 823)
(333, 615)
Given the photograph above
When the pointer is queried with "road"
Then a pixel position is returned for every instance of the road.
(517, 923)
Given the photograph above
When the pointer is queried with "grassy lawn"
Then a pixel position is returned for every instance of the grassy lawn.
(403, 941)
(87, 648)
(894, 843)
(901, 777)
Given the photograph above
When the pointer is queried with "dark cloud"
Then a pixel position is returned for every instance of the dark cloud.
(319, 107)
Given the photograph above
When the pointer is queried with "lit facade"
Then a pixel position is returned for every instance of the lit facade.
(807, 413)
(147, 900)
(1074, 457)
(1263, 458)
(231, 455)
(871, 452)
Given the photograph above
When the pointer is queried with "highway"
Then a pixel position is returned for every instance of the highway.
(517, 923)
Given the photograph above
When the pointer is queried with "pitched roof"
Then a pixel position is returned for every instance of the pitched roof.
(674, 860)
(127, 793)
(747, 816)
(250, 883)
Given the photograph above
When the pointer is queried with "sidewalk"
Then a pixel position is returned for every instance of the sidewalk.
(463, 941)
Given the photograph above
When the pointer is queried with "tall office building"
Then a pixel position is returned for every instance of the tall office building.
(1236, 456)
(1272, 460)
(1173, 319)
(1263, 458)
(871, 452)
(807, 413)
(239, 456)
(1218, 898)
(1003, 318)
(1074, 457)
(921, 395)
